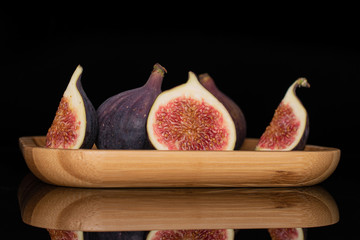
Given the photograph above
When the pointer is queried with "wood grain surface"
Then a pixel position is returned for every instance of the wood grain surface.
(155, 168)
(143, 209)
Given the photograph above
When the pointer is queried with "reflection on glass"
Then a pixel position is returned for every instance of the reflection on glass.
(199, 234)
(287, 233)
(180, 213)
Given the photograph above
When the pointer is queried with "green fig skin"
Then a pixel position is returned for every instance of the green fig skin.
(236, 113)
(122, 118)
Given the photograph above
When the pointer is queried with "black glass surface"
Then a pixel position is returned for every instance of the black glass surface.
(339, 188)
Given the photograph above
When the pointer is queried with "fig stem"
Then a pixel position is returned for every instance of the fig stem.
(302, 82)
(156, 77)
(160, 69)
(205, 77)
(208, 82)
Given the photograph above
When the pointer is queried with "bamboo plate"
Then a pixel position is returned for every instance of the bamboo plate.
(143, 209)
(155, 168)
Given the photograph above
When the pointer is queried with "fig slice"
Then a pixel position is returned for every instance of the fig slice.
(189, 117)
(236, 113)
(206, 234)
(75, 123)
(289, 127)
(65, 234)
(286, 233)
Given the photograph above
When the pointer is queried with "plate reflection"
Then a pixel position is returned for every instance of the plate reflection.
(181, 213)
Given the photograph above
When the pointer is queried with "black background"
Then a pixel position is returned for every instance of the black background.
(253, 54)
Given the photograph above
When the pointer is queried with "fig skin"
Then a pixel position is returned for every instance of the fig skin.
(291, 103)
(80, 108)
(80, 235)
(123, 235)
(236, 113)
(91, 130)
(302, 142)
(190, 119)
(122, 117)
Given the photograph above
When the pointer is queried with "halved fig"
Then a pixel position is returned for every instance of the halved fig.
(286, 233)
(75, 123)
(289, 127)
(206, 234)
(65, 235)
(189, 117)
(236, 113)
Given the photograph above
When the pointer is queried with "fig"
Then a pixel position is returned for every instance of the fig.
(286, 233)
(236, 113)
(65, 235)
(122, 235)
(189, 117)
(75, 123)
(206, 234)
(80, 235)
(122, 117)
(289, 127)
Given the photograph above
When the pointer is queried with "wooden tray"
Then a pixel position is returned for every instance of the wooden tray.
(155, 168)
(143, 209)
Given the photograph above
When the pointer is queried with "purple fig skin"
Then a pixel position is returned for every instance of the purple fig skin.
(128, 235)
(122, 118)
(302, 143)
(236, 113)
(91, 119)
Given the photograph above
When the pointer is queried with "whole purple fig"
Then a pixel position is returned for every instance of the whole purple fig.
(122, 118)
